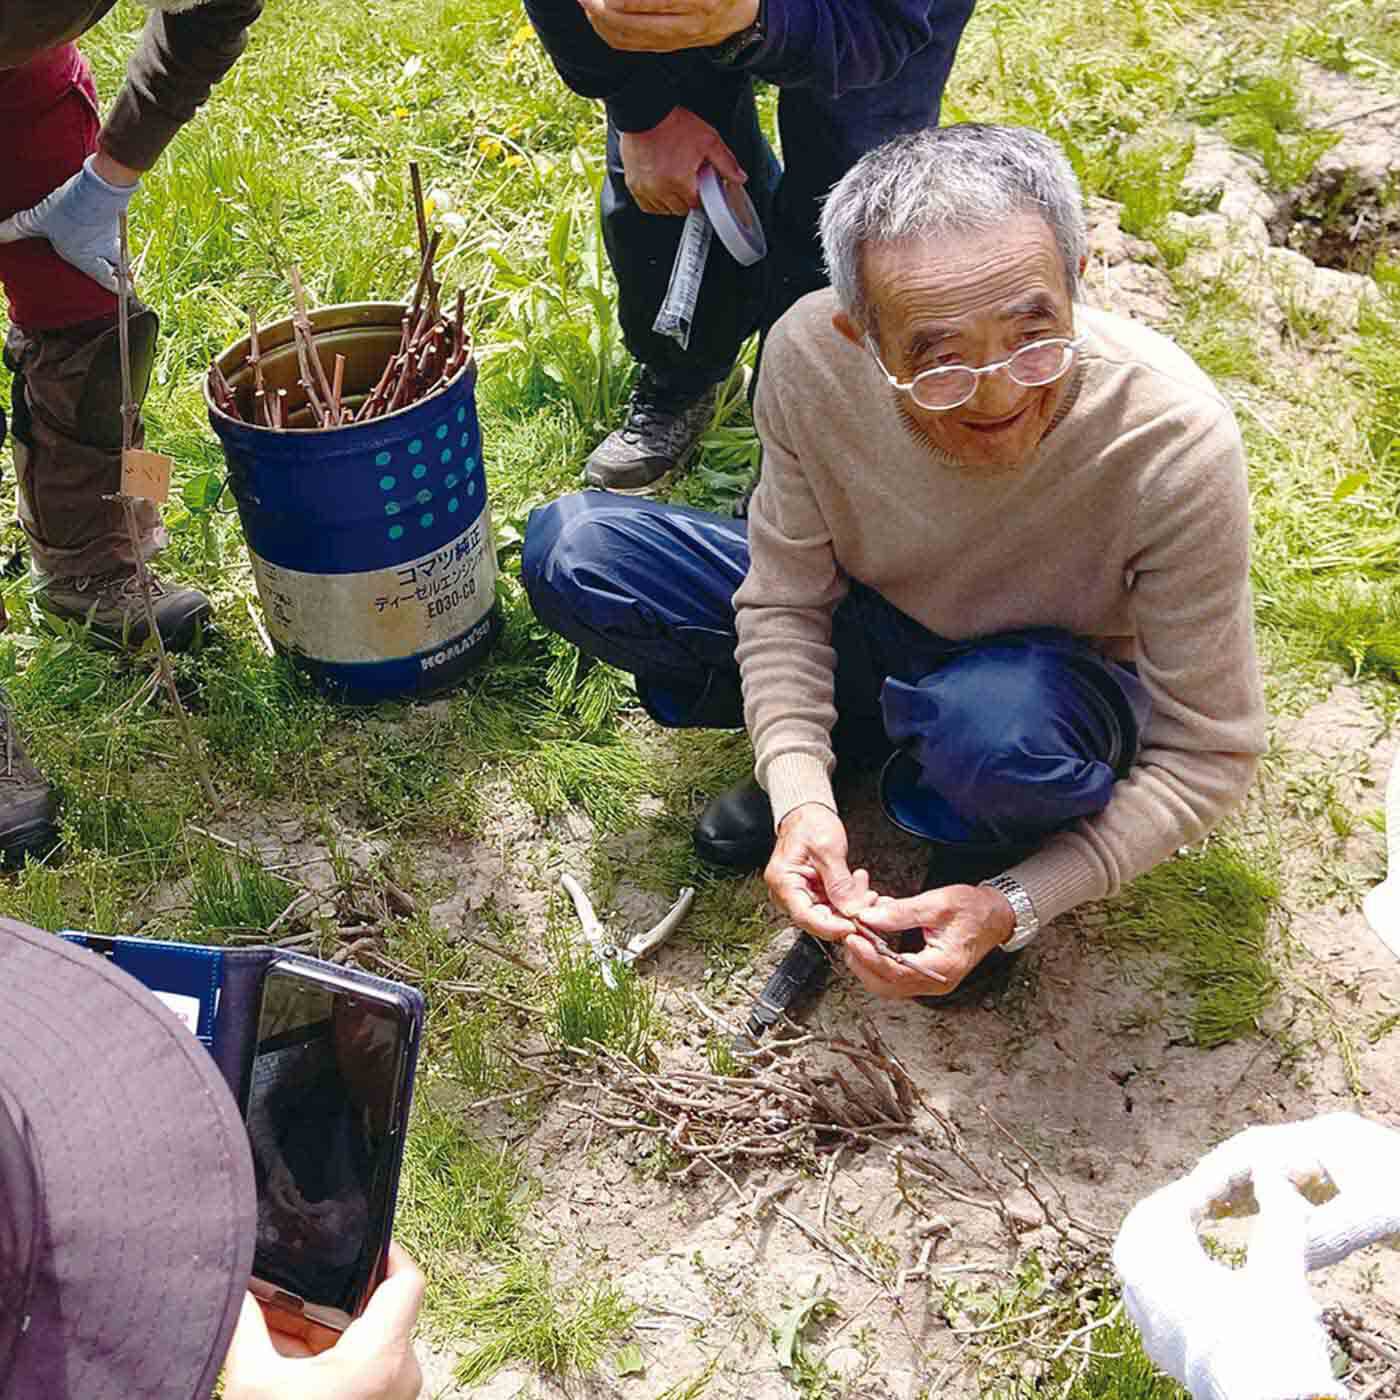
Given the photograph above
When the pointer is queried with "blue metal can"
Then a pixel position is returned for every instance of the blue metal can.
(371, 543)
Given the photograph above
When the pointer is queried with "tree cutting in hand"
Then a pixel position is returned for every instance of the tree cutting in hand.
(665, 26)
(961, 924)
(662, 166)
(809, 879)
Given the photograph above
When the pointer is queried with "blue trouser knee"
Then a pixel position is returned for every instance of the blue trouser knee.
(999, 739)
(1011, 737)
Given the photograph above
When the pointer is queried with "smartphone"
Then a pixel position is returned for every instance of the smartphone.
(327, 1115)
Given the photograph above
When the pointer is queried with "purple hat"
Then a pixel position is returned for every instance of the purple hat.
(127, 1206)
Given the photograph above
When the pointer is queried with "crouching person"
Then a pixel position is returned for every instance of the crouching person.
(1000, 542)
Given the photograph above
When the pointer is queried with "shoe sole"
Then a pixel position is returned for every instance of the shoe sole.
(630, 487)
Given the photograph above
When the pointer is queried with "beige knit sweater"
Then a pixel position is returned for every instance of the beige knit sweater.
(1129, 527)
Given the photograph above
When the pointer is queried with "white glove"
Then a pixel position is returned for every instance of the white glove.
(1255, 1334)
(80, 220)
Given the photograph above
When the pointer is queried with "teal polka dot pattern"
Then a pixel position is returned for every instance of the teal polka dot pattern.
(417, 470)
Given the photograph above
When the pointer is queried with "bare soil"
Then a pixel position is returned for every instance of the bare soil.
(1084, 1057)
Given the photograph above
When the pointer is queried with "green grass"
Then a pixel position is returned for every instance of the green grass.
(232, 891)
(586, 1011)
(525, 1317)
(1208, 911)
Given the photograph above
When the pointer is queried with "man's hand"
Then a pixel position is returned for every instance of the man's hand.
(961, 925)
(80, 218)
(372, 1360)
(663, 26)
(662, 165)
(808, 877)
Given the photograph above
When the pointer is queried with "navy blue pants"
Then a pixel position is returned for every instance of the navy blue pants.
(997, 740)
(822, 137)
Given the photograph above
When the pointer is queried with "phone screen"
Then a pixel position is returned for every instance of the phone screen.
(326, 1080)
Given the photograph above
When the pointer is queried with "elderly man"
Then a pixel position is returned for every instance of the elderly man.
(997, 530)
(65, 177)
(677, 80)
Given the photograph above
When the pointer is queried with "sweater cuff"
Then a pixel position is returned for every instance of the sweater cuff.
(136, 131)
(641, 105)
(791, 779)
(1057, 877)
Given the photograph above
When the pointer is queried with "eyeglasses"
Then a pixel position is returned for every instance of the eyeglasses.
(950, 386)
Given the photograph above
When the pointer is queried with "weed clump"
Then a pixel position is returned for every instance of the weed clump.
(235, 892)
(1209, 912)
(586, 1011)
(526, 1320)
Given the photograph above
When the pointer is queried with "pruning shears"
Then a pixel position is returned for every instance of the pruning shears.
(609, 953)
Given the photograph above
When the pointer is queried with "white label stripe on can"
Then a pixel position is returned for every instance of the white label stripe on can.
(382, 614)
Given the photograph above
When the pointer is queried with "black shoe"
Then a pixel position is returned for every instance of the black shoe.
(971, 864)
(659, 434)
(736, 828)
(28, 813)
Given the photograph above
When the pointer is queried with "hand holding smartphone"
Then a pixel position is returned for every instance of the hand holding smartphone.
(327, 1113)
(372, 1360)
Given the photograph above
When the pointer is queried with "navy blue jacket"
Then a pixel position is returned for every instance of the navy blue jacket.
(827, 45)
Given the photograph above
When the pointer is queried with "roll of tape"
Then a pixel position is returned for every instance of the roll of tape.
(733, 217)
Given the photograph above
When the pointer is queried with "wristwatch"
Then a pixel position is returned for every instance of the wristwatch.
(1027, 920)
(737, 46)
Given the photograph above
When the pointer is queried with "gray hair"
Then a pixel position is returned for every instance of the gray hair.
(950, 180)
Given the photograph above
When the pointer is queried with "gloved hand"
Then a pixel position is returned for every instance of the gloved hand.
(1255, 1334)
(80, 219)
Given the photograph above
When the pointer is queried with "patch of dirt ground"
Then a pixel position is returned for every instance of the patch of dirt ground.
(1084, 1057)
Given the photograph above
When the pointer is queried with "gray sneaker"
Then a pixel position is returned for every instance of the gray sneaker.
(657, 437)
(112, 603)
(28, 813)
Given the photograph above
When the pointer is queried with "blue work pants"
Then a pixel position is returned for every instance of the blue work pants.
(997, 740)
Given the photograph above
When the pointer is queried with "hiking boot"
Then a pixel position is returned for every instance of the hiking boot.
(112, 603)
(659, 434)
(28, 813)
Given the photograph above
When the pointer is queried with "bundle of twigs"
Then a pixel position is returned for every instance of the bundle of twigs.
(433, 348)
(781, 1103)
